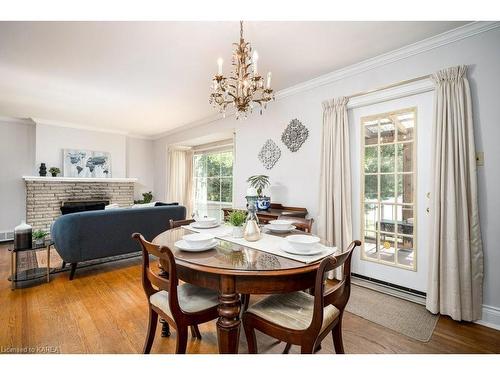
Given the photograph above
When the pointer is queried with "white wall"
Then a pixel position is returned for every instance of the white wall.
(51, 140)
(24, 145)
(298, 173)
(140, 164)
(17, 157)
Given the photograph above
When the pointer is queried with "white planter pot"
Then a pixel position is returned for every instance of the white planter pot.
(238, 232)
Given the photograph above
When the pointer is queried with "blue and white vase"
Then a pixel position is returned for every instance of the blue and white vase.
(263, 203)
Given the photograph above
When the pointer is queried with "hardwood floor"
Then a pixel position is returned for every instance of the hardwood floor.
(104, 310)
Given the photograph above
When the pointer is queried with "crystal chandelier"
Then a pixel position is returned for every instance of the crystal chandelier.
(245, 87)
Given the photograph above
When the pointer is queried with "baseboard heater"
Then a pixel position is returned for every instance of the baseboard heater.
(388, 288)
(6, 236)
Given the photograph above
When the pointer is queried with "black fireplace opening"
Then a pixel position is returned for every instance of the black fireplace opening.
(69, 207)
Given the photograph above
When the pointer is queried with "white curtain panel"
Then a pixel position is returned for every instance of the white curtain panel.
(180, 177)
(455, 286)
(335, 215)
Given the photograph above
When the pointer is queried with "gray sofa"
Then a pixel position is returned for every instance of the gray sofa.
(84, 236)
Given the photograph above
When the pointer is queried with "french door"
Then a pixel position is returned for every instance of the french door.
(391, 173)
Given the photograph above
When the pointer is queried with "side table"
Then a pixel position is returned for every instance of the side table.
(31, 270)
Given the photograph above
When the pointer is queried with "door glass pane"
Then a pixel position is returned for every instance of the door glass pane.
(404, 157)
(387, 247)
(371, 187)
(371, 159)
(387, 130)
(370, 245)
(387, 158)
(404, 216)
(405, 188)
(387, 219)
(371, 216)
(405, 251)
(405, 125)
(371, 132)
(387, 192)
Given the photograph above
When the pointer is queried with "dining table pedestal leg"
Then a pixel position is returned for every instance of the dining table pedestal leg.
(228, 324)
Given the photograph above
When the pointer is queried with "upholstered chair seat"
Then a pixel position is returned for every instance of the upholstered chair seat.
(292, 310)
(191, 299)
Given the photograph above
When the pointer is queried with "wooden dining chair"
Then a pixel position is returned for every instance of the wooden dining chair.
(180, 305)
(299, 318)
(300, 223)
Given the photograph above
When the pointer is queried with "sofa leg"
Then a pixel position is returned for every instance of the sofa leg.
(73, 270)
(63, 264)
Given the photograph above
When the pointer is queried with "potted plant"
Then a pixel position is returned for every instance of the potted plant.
(54, 171)
(259, 183)
(237, 218)
(39, 237)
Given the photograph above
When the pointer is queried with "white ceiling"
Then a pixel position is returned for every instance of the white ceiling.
(150, 77)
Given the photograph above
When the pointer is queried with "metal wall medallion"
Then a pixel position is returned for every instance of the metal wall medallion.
(269, 154)
(294, 135)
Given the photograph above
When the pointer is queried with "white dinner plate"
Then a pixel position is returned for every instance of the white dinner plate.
(198, 226)
(286, 247)
(272, 228)
(184, 246)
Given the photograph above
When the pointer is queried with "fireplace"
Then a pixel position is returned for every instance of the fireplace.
(47, 197)
(69, 207)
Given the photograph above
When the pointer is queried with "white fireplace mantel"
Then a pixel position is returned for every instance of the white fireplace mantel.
(77, 179)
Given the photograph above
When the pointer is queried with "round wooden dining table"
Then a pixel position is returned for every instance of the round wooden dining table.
(233, 270)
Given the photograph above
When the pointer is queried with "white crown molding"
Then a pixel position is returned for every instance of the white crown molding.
(16, 120)
(194, 124)
(63, 124)
(416, 48)
(70, 125)
(451, 36)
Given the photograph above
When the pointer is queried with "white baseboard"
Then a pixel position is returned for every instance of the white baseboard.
(491, 317)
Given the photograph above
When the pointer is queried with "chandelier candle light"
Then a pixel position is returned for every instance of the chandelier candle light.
(245, 86)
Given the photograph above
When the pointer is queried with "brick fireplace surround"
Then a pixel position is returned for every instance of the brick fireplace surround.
(45, 195)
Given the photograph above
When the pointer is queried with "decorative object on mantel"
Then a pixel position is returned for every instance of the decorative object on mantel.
(147, 198)
(294, 135)
(269, 154)
(43, 170)
(244, 87)
(251, 232)
(23, 236)
(85, 163)
(54, 171)
(237, 219)
(257, 184)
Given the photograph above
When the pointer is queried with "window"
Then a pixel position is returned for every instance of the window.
(388, 188)
(213, 182)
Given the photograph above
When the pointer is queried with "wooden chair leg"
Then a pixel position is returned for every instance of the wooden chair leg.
(181, 344)
(245, 300)
(337, 337)
(251, 339)
(73, 270)
(153, 320)
(165, 328)
(307, 348)
(287, 348)
(195, 332)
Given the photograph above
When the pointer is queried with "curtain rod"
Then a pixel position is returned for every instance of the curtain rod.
(401, 83)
